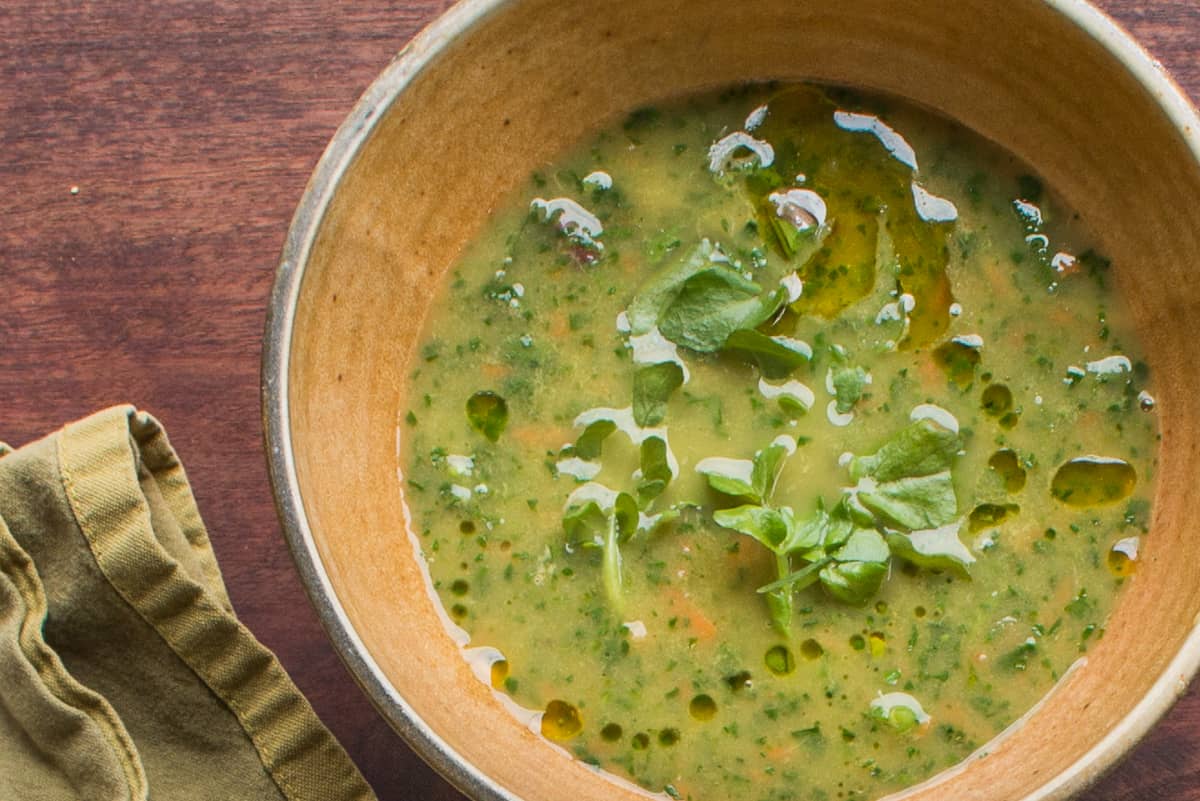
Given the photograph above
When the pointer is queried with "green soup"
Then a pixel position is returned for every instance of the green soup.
(782, 443)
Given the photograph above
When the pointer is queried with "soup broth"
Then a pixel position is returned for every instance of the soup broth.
(785, 442)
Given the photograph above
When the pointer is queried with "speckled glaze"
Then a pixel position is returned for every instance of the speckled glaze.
(494, 88)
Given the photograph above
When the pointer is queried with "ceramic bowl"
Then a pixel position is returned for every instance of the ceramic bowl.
(494, 88)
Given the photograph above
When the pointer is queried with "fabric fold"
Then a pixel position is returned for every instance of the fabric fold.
(143, 664)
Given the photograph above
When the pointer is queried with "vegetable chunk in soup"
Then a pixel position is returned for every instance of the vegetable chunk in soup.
(781, 443)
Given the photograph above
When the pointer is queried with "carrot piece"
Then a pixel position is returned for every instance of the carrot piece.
(495, 371)
(698, 622)
(560, 325)
(930, 375)
(781, 753)
(540, 437)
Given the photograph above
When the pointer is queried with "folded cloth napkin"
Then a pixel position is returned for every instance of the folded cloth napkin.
(124, 673)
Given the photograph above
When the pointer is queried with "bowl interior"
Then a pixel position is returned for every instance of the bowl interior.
(530, 77)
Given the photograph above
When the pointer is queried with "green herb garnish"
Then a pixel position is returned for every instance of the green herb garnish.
(652, 388)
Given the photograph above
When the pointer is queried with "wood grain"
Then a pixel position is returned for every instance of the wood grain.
(151, 155)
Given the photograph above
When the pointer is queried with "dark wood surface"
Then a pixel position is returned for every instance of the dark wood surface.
(151, 155)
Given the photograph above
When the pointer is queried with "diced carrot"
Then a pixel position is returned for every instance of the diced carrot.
(560, 326)
(495, 371)
(781, 753)
(930, 375)
(540, 437)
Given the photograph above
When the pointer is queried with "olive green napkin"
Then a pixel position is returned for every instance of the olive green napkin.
(124, 673)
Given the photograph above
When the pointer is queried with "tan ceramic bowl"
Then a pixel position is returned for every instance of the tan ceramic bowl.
(496, 87)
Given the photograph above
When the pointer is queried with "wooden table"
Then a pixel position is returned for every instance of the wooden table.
(151, 155)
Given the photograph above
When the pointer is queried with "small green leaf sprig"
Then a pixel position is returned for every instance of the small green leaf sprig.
(598, 517)
(704, 304)
(903, 504)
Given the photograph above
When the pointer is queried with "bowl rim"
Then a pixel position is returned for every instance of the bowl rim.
(338, 157)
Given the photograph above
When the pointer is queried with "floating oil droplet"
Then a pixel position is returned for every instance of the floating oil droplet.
(702, 707)
(991, 514)
(668, 737)
(903, 719)
(611, 732)
(640, 741)
(458, 611)
(1093, 481)
(1120, 565)
(487, 413)
(857, 642)
(881, 607)
(499, 673)
(811, 649)
(997, 400)
(958, 361)
(779, 660)
(878, 644)
(1122, 559)
(561, 721)
(460, 587)
(738, 681)
(1008, 467)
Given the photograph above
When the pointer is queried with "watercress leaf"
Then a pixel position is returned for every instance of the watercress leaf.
(713, 304)
(789, 237)
(912, 504)
(768, 526)
(649, 524)
(794, 398)
(626, 516)
(589, 510)
(591, 441)
(776, 357)
(779, 603)
(938, 549)
(796, 238)
(654, 462)
(652, 387)
(806, 535)
(767, 464)
(487, 413)
(864, 545)
(843, 521)
(919, 449)
(610, 566)
(853, 582)
(656, 470)
(647, 491)
(799, 579)
(584, 523)
(730, 476)
(658, 292)
(899, 710)
(848, 385)
(852, 510)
